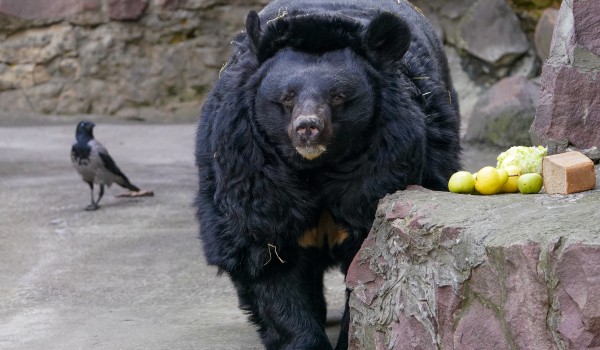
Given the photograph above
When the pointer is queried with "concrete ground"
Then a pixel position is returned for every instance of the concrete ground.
(130, 275)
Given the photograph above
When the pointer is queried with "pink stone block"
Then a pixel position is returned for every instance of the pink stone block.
(587, 26)
(448, 309)
(480, 329)
(168, 4)
(527, 299)
(36, 9)
(399, 211)
(409, 334)
(578, 272)
(126, 9)
(569, 107)
(361, 279)
(485, 282)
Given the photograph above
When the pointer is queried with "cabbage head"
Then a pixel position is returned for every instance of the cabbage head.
(529, 159)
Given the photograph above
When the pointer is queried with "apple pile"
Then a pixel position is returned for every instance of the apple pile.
(518, 170)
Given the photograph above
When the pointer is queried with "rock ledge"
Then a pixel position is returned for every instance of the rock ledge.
(448, 271)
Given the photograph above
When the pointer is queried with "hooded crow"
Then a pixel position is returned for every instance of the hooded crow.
(94, 164)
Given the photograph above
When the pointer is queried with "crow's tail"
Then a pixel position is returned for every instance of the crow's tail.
(123, 181)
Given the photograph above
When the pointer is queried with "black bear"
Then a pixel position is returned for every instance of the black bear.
(323, 108)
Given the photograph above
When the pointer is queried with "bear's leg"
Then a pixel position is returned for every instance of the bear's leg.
(287, 304)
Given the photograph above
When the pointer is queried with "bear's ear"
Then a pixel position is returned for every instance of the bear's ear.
(386, 39)
(253, 30)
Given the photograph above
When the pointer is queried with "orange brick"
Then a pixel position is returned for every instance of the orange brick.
(568, 172)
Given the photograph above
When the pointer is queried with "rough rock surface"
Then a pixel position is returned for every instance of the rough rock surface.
(123, 57)
(569, 112)
(543, 33)
(487, 41)
(126, 9)
(448, 271)
(46, 10)
(504, 113)
(492, 18)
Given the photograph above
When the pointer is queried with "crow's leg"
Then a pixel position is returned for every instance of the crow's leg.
(100, 195)
(93, 205)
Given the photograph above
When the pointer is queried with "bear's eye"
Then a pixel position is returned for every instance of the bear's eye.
(288, 99)
(337, 99)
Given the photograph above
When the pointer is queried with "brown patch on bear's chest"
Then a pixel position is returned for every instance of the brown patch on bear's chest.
(326, 232)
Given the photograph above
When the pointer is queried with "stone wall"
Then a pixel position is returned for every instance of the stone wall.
(490, 44)
(123, 57)
(130, 57)
(569, 113)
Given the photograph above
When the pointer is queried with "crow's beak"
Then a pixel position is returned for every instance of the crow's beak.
(90, 125)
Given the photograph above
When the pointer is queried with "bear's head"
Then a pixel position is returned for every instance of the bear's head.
(317, 87)
(309, 99)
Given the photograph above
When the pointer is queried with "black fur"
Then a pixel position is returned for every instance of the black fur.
(323, 108)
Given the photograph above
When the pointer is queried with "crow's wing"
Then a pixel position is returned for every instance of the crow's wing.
(111, 166)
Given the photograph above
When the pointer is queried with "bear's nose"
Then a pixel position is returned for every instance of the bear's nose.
(308, 128)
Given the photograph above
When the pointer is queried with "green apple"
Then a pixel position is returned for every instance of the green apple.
(530, 183)
(461, 182)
